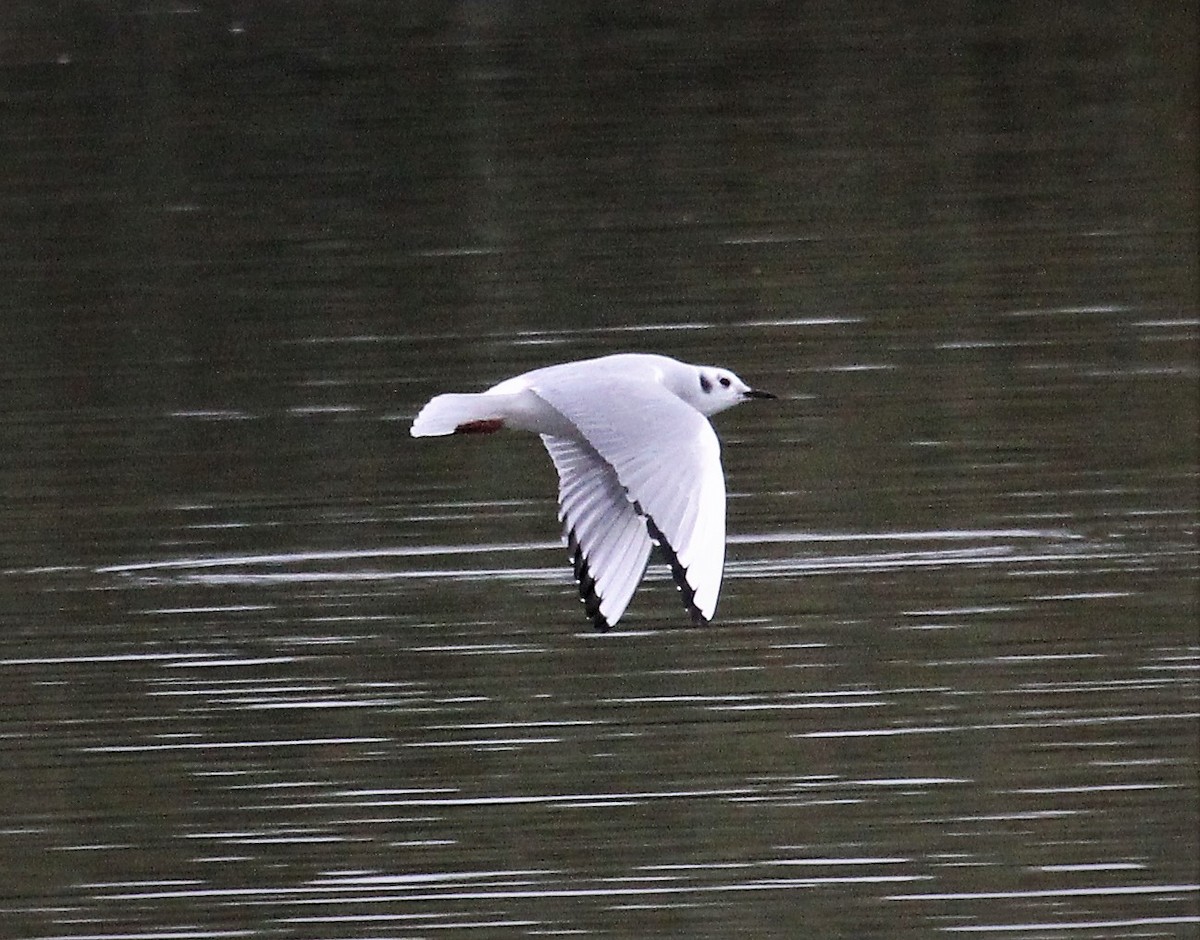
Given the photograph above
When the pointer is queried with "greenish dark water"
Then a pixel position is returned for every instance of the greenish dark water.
(269, 667)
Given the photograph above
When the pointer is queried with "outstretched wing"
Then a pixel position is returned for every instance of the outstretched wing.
(608, 540)
(666, 457)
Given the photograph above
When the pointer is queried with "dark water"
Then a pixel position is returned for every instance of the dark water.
(268, 667)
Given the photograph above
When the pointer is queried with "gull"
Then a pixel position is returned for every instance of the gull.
(638, 462)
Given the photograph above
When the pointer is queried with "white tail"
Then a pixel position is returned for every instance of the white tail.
(460, 414)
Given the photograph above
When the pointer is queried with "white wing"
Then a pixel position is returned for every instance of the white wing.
(608, 539)
(667, 458)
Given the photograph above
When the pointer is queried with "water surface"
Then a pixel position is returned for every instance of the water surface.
(269, 667)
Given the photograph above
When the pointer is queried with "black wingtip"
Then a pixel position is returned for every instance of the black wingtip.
(678, 573)
(587, 585)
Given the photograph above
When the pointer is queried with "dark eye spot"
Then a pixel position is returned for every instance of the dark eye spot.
(705, 384)
(724, 381)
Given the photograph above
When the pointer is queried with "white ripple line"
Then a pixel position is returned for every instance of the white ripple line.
(1077, 925)
(997, 726)
(224, 745)
(768, 884)
(1046, 893)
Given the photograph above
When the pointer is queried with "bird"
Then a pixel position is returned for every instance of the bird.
(639, 466)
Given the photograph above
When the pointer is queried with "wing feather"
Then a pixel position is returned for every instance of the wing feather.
(662, 453)
(609, 541)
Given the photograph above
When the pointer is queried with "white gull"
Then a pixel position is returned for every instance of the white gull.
(638, 465)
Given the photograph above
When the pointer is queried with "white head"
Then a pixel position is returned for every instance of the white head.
(713, 389)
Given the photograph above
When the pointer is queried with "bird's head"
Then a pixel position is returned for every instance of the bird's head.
(716, 389)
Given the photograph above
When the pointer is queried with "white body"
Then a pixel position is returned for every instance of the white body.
(638, 464)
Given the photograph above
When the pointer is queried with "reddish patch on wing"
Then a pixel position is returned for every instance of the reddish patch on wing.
(482, 426)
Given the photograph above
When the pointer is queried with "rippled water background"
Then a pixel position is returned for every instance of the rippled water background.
(268, 667)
